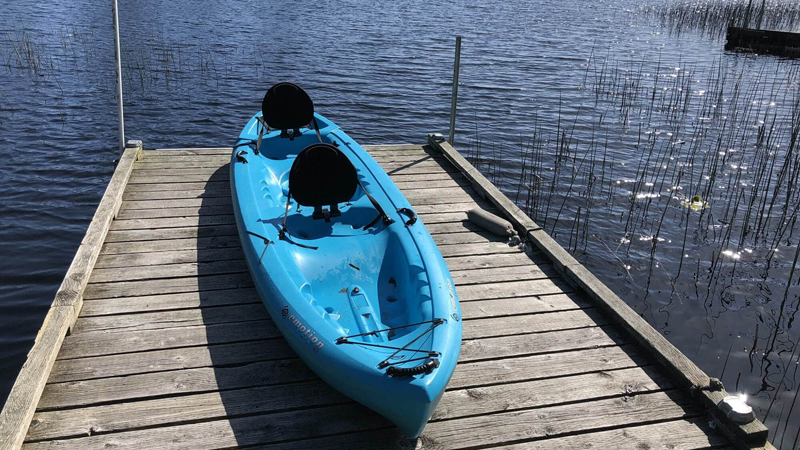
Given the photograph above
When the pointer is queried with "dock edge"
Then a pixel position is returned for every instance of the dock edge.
(709, 391)
(17, 413)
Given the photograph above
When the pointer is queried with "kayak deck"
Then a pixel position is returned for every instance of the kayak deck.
(174, 349)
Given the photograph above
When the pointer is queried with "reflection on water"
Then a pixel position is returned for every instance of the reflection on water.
(601, 124)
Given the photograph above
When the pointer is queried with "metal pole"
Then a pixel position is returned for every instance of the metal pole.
(118, 57)
(455, 90)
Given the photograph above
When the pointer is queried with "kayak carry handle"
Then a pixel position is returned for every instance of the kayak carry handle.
(426, 367)
(412, 216)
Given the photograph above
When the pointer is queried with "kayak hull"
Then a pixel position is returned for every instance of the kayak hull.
(333, 288)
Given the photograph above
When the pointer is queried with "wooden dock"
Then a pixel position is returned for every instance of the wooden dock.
(771, 42)
(169, 345)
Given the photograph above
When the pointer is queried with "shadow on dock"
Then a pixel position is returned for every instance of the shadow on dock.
(268, 393)
(513, 380)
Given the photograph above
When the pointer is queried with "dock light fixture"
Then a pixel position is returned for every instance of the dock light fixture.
(737, 409)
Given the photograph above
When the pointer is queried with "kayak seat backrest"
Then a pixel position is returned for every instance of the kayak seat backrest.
(286, 106)
(322, 175)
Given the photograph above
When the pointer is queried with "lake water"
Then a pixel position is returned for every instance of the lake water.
(621, 119)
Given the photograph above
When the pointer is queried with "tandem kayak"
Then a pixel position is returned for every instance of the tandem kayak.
(349, 274)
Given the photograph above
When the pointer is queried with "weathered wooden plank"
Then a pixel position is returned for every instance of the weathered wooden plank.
(176, 203)
(174, 222)
(426, 168)
(189, 186)
(21, 402)
(510, 289)
(499, 274)
(488, 248)
(422, 179)
(177, 318)
(546, 365)
(522, 305)
(695, 433)
(531, 323)
(490, 261)
(66, 370)
(384, 148)
(171, 233)
(466, 238)
(430, 211)
(190, 408)
(407, 157)
(548, 342)
(202, 243)
(179, 171)
(443, 217)
(169, 163)
(236, 432)
(143, 178)
(422, 184)
(189, 151)
(169, 257)
(99, 344)
(683, 434)
(203, 191)
(162, 157)
(167, 286)
(562, 419)
(185, 300)
(544, 392)
(419, 197)
(168, 271)
(455, 227)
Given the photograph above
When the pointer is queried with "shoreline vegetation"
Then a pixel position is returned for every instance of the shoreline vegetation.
(711, 18)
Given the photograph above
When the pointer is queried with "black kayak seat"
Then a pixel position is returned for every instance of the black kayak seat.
(287, 106)
(322, 175)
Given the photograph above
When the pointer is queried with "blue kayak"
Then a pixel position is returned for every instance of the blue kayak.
(349, 274)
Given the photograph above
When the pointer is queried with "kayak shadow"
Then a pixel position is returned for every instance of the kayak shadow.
(259, 392)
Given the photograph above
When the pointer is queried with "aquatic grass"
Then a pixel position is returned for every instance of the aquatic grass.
(659, 133)
(713, 17)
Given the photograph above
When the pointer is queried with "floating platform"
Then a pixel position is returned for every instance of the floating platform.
(780, 43)
(157, 338)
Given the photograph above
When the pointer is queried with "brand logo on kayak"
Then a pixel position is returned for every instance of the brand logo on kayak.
(452, 294)
(285, 311)
(306, 333)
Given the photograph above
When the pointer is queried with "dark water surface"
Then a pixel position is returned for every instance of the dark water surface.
(619, 108)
